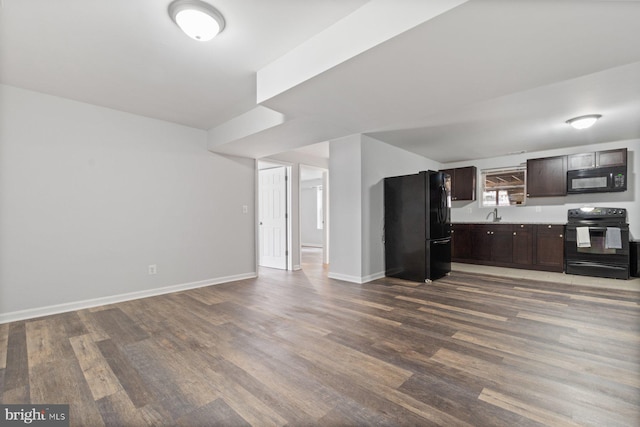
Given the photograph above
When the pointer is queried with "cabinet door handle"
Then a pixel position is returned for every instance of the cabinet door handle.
(514, 233)
(561, 235)
(548, 226)
(488, 232)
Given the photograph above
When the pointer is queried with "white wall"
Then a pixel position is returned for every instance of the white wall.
(381, 160)
(295, 157)
(310, 235)
(89, 197)
(554, 209)
(358, 165)
(345, 209)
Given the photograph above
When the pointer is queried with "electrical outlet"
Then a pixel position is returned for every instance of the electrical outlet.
(538, 208)
(153, 269)
(245, 209)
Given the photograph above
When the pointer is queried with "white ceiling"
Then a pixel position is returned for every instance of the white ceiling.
(130, 56)
(469, 81)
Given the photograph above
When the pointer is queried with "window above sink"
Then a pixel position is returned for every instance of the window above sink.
(504, 186)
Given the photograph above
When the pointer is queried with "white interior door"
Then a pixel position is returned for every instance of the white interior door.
(272, 211)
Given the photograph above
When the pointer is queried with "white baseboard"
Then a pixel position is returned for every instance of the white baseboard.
(373, 277)
(356, 279)
(81, 305)
(344, 277)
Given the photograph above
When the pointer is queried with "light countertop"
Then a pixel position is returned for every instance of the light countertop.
(509, 223)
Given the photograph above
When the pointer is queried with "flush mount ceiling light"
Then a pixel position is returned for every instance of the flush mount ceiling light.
(584, 122)
(198, 20)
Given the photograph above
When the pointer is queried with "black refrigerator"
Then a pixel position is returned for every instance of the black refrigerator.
(417, 226)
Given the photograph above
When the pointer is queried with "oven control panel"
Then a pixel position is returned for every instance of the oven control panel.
(597, 213)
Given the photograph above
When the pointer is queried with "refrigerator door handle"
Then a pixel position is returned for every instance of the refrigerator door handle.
(442, 214)
(442, 241)
(445, 204)
(440, 206)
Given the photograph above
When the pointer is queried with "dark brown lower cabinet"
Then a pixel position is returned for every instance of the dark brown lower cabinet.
(523, 245)
(460, 241)
(549, 247)
(480, 242)
(501, 243)
(528, 246)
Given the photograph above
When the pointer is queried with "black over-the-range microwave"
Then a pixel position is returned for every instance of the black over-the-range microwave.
(597, 180)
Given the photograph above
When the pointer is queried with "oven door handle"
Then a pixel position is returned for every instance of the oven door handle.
(595, 264)
(594, 228)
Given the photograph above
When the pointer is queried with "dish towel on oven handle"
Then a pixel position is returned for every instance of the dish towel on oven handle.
(613, 239)
(582, 237)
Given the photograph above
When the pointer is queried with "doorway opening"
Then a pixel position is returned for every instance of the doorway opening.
(314, 215)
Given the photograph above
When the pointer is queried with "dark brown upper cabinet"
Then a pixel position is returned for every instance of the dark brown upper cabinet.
(463, 183)
(547, 177)
(611, 158)
(581, 161)
(598, 159)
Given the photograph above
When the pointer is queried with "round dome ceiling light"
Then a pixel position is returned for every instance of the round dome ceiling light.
(584, 122)
(198, 20)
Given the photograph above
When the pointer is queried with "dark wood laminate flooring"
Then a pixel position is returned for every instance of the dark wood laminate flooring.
(296, 348)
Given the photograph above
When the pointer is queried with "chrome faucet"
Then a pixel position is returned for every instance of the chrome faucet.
(496, 218)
